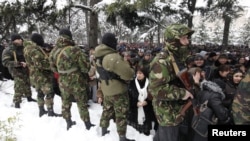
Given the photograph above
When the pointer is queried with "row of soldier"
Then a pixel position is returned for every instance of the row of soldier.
(128, 91)
(29, 62)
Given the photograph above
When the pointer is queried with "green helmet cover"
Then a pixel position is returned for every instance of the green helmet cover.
(175, 31)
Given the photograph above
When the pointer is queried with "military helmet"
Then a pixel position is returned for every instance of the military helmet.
(175, 31)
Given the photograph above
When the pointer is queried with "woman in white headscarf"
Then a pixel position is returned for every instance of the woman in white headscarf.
(141, 114)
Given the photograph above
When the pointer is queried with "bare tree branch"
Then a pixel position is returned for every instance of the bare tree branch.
(83, 7)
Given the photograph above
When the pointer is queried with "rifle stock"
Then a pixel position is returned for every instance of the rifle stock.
(184, 76)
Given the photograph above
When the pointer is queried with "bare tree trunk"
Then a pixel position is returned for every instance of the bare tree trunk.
(158, 34)
(191, 7)
(87, 21)
(93, 26)
(87, 25)
(14, 25)
(227, 22)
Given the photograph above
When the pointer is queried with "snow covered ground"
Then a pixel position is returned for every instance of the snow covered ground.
(31, 127)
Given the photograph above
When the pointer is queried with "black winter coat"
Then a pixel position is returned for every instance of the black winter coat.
(213, 93)
(133, 99)
(230, 92)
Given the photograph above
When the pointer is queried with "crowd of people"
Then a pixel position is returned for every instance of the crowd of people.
(162, 89)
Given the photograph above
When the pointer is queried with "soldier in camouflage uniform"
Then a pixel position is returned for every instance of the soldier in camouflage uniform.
(40, 73)
(116, 70)
(166, 92)
(70, 62)
(241, 102)
(13, 59)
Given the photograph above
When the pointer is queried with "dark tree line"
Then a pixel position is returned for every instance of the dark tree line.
(146, 15)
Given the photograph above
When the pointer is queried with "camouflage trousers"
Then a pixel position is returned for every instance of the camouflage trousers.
(22, 87)
(81, 99)
(44, 87)
(115, 106)
(45, 95)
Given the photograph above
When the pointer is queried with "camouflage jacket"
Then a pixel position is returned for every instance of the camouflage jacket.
(113, 61)
(11, 58)
(166, 96)
(38, 63)
(71, 63)
(241, 102)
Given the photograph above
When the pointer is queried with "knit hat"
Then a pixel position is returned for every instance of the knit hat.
(223, 56)
(148, 52)
(15, 37)
(203, 53)
(212, 54)
(198, 57)
(109, 40)
(65, 33)
(38, 39)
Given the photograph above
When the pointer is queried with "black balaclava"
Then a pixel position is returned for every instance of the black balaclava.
(38, 39)
(109, 40)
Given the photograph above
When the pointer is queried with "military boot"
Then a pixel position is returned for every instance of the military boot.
(88, 124)
(17, 104)
(51, 113)
(30, 99)
(70, 123)
(105, 131)
(123, 138)
(42, 111)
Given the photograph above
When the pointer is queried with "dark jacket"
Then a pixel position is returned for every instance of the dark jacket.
(213, 93)
(4, 70)
(133, 99)
(12, 57)
(230, 92)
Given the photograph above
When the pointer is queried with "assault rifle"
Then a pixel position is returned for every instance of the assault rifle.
(186, 79)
